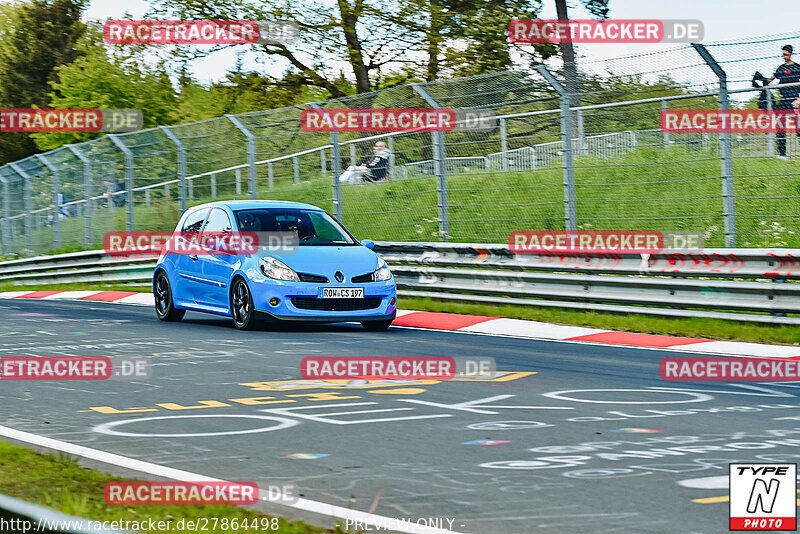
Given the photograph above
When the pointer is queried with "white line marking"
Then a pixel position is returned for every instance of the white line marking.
(13, 294)
(108, 428)
(70, 295)
(142, 299)
(530, 329)
(324, 509)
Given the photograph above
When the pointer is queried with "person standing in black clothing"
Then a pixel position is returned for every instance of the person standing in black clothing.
(788, 72)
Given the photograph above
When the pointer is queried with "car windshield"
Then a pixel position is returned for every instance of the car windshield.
(313, 227)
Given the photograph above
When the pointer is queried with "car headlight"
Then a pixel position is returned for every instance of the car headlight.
(382, 272)
(276, 269)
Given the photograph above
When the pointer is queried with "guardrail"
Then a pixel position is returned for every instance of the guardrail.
(86, 266)
(22, 516)
(742, 284)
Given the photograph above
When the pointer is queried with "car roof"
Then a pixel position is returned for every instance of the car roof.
(255, 204)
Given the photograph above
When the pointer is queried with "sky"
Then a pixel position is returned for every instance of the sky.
(723, 20)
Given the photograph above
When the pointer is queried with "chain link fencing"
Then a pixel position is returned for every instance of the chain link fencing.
(619, 170)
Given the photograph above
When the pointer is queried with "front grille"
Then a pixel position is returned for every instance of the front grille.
(364, 278)
(311, 303)
(312, 278)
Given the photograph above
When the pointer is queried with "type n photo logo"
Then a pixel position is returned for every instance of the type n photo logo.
(763, 497)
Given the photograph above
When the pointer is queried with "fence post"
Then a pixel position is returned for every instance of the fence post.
(6, 214)
(56, 201)
(296, 164)
(570, 215)
(28, 205)
(214, 186)
(665, 107)
(440, 161)
(390, 146)
(504, 143)
(770, 134)
(238, 181)
(128, 178)
(439, 167)
(726, 151)
(270, 174)
(181, 166)
(252, 187)
(88, 211)
(336, 167)
(582, 147)
(6, 217)
(353, 154)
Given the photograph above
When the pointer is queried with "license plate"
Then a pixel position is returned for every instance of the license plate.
(342, 293)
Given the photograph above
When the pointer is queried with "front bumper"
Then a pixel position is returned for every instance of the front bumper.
(263, 292)
(338, 319)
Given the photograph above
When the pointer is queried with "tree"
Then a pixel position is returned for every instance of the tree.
(397, 40)
(598, 8)
(241, 92)
(97, 80)
(476, 34)
(40, 35)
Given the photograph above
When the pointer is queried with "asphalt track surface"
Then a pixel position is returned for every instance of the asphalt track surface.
(628, 452)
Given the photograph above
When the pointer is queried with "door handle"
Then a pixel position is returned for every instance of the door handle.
(193, 257)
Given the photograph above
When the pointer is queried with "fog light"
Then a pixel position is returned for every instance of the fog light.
(274, 302)
(392, 302)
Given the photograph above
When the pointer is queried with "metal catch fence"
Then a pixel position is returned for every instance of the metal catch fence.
(619, 172)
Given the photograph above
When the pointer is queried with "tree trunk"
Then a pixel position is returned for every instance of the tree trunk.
(434, 41)
(354, 50)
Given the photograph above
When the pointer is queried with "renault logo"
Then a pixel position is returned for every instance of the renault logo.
(339, 276)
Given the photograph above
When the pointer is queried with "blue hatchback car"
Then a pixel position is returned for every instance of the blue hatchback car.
(329, 277)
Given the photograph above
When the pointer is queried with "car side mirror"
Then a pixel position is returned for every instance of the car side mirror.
(370, 244)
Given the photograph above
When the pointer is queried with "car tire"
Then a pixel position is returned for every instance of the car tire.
(376, 326)
(242, 311)
(165, 307)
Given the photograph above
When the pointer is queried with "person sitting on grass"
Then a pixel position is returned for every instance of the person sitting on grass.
(372, 171)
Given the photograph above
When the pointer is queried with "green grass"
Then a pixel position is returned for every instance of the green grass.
(61, 483)
(683, 193)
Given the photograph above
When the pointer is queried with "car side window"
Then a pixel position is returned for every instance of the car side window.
(194, 221)
(218, 221)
